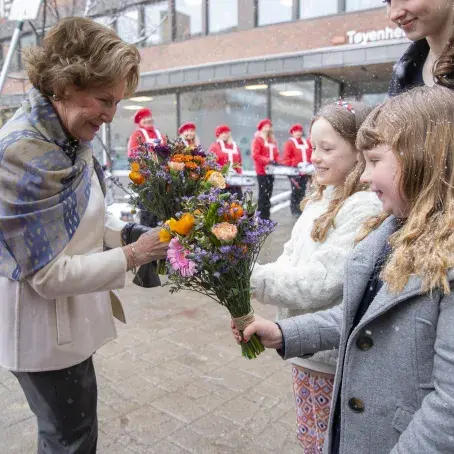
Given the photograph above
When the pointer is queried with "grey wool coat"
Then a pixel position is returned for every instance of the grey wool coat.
(397, 366)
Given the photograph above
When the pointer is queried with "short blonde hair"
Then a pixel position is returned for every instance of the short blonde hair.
(82, 52)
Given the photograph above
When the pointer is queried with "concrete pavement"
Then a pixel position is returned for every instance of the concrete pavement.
(174, 381)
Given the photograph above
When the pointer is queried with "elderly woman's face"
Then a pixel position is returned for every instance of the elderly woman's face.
(83, 111)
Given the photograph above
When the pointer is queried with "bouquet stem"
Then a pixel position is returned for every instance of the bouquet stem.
(252, 348)
(161, 267)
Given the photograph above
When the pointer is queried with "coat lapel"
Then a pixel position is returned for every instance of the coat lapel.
(360, 267)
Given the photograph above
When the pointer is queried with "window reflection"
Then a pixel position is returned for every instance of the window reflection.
(128, 26)
(314, 8)
(223, 15)
(330, 91)
(274, 11)
(157, 25)
(291, 102)
(354, 5)
(188, 18)
(240, 108)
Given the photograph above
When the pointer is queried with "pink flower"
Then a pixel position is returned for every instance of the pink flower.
(225, 231)
(177, 258)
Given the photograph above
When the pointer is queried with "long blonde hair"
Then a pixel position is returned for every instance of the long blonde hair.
(418, 126)
(346, 123)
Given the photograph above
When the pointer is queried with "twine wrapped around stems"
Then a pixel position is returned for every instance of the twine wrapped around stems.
(241, 322)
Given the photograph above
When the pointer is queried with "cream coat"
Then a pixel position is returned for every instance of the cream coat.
(61, 315)
(309, 276)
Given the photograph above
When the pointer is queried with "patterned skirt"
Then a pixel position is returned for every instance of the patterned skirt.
(313, 393)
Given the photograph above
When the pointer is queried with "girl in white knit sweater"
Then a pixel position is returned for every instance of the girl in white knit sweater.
(308, 276)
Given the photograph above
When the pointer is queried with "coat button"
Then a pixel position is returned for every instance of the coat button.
(364, 343)
(356, 405)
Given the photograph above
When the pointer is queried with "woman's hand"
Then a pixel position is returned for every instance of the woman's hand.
(270, 334)
(145, 250)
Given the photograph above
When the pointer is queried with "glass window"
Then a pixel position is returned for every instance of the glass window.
(274, 11)
(157, 25)
(188, 18)
(128, 26)
(27, 41)
(223, 15)
(315, 8)
(240, 108)
(15, 61)
(104, 20)
(291, 102)
(164, 109)
(330, 91)
(354, 5)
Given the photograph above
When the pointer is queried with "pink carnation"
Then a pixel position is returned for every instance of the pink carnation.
(177, 258)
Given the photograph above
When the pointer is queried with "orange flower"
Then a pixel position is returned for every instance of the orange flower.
(198, 159)
(235, 212)
(184, 225)
(137, 178)
(135, 166)
(191, 165)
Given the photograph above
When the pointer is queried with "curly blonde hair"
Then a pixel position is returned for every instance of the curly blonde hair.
(418, 126)
(82, 52)
(346, 124)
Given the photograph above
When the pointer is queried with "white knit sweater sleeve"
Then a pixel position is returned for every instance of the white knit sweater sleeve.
(317, 282)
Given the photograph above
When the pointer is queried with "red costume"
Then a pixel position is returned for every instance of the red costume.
(226, 152)
(144, 135)
(188, 142)
(263, 151)
(297, 150)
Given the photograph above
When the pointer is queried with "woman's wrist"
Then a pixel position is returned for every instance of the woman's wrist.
(131, 259)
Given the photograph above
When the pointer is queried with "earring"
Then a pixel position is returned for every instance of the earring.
(56, 97)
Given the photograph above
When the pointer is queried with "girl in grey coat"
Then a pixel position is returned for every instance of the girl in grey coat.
(394, 389)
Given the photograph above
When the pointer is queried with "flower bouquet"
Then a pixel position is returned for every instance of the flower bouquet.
(162, 175)
(214, 244)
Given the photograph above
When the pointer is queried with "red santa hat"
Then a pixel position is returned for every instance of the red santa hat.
(263, 123)
(295, 128)
(185, 127)
(221, 129)
(142, 113)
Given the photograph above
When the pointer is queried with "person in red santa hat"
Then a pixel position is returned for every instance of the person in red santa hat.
(145, 132)
(264, 152)
(188, 134)
(297, 150)
(228, 152)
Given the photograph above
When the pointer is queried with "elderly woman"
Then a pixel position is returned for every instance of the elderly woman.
(57, 278)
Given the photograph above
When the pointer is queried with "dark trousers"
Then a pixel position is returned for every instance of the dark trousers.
(64, 402)
(298, 187)
(266, 183)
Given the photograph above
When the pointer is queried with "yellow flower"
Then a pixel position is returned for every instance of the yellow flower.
(135, 166)
(184, 225)
(164, 235)
(137, 178)
(217, 180)
(208, 174)
(225, 232)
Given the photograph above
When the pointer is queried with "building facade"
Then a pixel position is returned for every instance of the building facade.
(238, 61)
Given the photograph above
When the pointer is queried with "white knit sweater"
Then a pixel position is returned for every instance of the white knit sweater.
(308, 276)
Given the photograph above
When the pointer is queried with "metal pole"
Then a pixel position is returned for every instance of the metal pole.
(11, 50)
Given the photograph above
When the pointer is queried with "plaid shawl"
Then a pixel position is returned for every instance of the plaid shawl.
(45, 181)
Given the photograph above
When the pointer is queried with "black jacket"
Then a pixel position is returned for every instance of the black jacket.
(407, 72)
